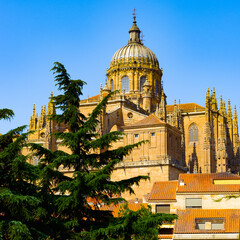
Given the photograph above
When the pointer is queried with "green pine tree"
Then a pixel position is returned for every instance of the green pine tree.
(136, 225)
(90, 160)
(91, 169)
(20, 206)
(26, 207)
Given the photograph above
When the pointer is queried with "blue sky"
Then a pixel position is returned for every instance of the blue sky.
(197, 44)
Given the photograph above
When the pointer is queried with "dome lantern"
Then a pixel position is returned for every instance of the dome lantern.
(134, 33)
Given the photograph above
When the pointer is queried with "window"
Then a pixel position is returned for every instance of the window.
(112, 85)
(193, 133)
(35, 160)
(157, 87)
(209, 223)
(142, 81)
(167, 231)
(163, 208)
(136, 135)
(193, 203)
(218, 225)
(130, 115)
(125, 84)
(153, 141)
(200, 226)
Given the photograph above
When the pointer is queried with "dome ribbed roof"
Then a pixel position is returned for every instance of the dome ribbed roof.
(136, 51)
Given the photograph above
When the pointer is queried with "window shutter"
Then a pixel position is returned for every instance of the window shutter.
(218, 226)
(193, 203)
(163, 208)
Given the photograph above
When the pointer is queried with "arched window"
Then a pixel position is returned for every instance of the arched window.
(112, 85)
(35, 160)
(142, 81)
(125, 84)
(193, 133)
(157, 87)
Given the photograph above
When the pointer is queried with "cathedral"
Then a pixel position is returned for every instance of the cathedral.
(184, 137)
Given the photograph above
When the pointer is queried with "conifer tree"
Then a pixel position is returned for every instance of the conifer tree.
(21, 208)
(91, 161)
(136, 225)
(90, 165)
(6, 114)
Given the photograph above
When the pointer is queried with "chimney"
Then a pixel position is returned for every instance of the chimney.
(181, 182)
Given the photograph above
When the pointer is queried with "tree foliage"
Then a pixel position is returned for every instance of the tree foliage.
(135, 225)
(90, 160)
(6, 114)
(21, 209)
(40, 202)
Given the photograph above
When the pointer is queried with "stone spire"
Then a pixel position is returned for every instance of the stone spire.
(214, 101)
(38, 122)
(207, 99)
(51, 108)
(33, 119)
(106, 89)
(230, 121)
(179, 106)
(207, 106)
(50, 125)
(224, 109)
(235, 134)
(229, 113)
(134, 32)
(161, 109)
(235, 118)
(221, 110)
(41, 117)
(175, 114)
(34, 110)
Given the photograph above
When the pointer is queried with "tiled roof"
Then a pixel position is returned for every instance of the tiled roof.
(186, 107)
(201, 182)
(139, 200)
(115, 208)
(94, 201)
(93, 98)
(186, 222)
(165, 236)
(163, 191)
(152, 119)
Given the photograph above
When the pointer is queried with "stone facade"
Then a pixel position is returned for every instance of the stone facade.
(181, 137)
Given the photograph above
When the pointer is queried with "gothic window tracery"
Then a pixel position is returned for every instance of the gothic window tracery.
(142, 81)
(193, 133)
(125, 84)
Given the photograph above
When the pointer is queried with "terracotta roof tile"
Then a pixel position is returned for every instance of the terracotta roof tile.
(115, 208)
(202, 182)
(165, 236)
(186, 222)
(163, 191)
(186, 107)
(149, 120)
(94, 98)
(132, 201)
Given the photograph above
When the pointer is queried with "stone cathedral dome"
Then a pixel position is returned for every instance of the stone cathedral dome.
(134, 51)
(134, 66)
